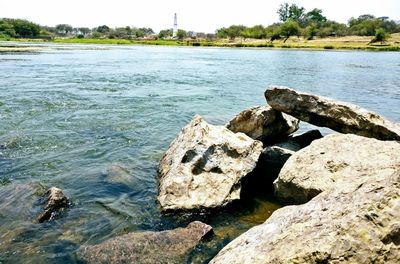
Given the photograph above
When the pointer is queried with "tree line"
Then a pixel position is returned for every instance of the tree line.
(294, 21)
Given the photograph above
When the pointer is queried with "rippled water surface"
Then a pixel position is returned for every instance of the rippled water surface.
(71, 114)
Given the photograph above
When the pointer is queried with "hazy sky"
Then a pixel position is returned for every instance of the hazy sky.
(199, 15)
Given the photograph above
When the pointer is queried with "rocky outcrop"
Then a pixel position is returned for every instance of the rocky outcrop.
(55, 201)
(263, 123)
(204, 166)
(355, 223)
(171, 246)
(339, 116)
(333, 161)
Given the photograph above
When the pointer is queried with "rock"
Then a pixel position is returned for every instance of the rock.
(17, 200)
(171, 246)
(272, 160)
(263, 123)
(56, 201)
(325, 112)
(116, 173)
(295, 143)
(356, 223)
(204, 166)
(333, 161)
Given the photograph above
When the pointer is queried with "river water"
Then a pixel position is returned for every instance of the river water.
(69, 113)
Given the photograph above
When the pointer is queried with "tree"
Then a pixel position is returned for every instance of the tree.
(289, 28)
(165, 33)
(84, 30)
(103, 29)
(181, 34)
(380, 36)
(315, 16)
(23, 28)
(292, 11)
(7, 29)
(256, 32)
(283, 12)
(63, 29)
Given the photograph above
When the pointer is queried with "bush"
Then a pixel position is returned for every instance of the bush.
(380, 36)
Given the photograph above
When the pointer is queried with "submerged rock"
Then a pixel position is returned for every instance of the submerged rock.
(170, 246)
(117, 173)
(17, 201)
(356, 223)
(333, 161)
(56, 201)
(263, 123)
(325, 112)
(204, 166)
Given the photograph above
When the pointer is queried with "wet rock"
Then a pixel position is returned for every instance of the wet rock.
(55, 202)
(170, 246)
(355, 223)
(332, 161)
(17, 200)
(263, 123)
(117, 173)
(204, 166)
(325, 112)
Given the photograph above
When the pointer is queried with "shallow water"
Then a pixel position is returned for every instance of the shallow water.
(68, 113)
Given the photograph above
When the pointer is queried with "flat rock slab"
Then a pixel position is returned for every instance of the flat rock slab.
(171, 246)
(333, 161)
(325, 112)
(264, 123)
(356, 223)
(204, 166)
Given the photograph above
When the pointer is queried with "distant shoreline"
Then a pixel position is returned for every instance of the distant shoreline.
(333, 43)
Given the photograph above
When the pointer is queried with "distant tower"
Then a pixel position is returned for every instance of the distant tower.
(175, 30)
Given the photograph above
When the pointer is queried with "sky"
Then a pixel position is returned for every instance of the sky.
(200, 15)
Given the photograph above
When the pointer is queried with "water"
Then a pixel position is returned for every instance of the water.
(69, 113)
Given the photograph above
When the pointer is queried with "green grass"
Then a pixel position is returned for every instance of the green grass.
(347, 43)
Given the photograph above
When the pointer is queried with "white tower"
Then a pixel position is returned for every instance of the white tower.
(175, 30)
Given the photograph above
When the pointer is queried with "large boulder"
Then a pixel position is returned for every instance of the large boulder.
(333, 161)
(204, 166)
(325, 112)
(263, 123)
(171, 246)
(356, 223)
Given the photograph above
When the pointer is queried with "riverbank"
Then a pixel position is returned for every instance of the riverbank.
(331, 43)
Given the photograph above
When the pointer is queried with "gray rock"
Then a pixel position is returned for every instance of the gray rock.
(355, 223)
(263, 123)
(204, 166)
(325, 112)
(55, 202)
(171, 246)
(333, 161)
